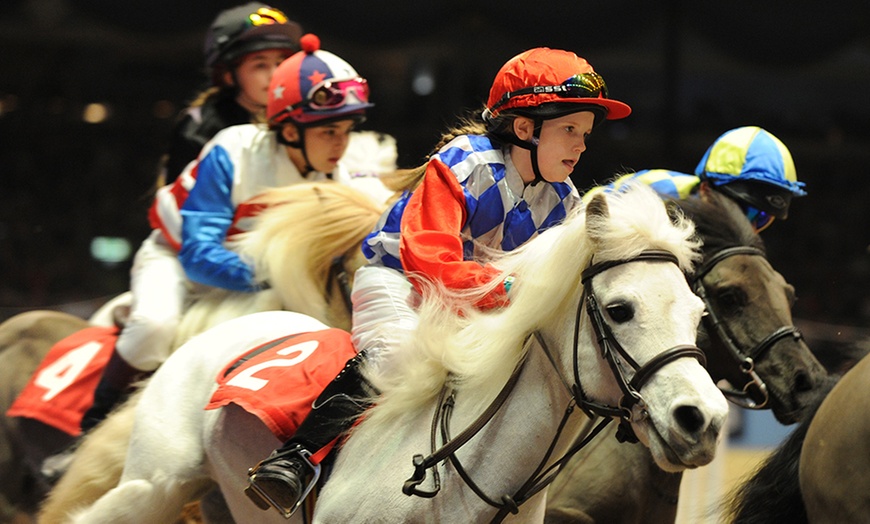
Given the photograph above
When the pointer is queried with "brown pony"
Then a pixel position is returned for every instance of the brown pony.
(749, 341)
(818, 474)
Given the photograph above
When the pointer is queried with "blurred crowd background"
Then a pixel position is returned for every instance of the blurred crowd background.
(89, 90)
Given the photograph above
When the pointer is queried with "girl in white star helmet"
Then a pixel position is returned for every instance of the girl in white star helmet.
(320, 99)
(309, 90)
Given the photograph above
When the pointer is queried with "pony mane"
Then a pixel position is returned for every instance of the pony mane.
(473, 349)
(720, 221)
(301, 230)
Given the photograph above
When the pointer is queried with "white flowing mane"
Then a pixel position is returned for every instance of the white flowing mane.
(293, 242)
(479, 350)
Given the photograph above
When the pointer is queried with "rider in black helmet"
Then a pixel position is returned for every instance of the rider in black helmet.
(243, 46)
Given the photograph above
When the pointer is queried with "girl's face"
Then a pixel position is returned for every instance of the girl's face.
(561, 143)
(324, 145)
(253, 75)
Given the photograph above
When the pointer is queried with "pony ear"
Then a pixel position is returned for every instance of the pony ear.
(597, 214)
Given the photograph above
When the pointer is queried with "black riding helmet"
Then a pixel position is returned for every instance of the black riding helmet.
(245, 29)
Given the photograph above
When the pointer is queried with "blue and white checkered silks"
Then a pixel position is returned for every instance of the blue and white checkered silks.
(667, 183)
(502, 212)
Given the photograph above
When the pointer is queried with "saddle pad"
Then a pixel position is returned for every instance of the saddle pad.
(62, 387)
(279, 380)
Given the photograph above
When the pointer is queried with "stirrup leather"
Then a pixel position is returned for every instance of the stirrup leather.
(254, 490)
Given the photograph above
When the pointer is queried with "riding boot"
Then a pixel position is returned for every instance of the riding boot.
(280, 480)
(116, 379)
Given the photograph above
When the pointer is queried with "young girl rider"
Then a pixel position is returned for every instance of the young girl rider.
(492, 189)
(315, 100)
(243, 46)
(747, 164)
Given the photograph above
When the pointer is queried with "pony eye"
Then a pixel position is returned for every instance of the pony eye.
(731, 298)
(620, 313)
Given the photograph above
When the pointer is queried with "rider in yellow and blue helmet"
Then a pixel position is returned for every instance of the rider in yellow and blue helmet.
(755, 169)
(747, 164)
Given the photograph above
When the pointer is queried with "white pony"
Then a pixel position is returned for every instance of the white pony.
(632, 358)
(308, 232)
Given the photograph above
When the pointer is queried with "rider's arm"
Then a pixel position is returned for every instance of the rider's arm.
(206, 216)
(431, 244)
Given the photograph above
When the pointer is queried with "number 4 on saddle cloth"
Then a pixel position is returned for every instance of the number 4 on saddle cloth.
(278, 381)
(61, 389)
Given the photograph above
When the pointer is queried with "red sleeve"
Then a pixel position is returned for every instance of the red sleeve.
(430, 242)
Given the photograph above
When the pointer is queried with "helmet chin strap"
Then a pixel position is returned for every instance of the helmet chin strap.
(536, 138)
(299, 144)
(532, 146)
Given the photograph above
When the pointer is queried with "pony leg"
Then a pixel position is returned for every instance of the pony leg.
(142, 501)
(214, 508)
(96, 467)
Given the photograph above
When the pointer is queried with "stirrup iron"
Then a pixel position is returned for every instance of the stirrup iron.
(264, 500)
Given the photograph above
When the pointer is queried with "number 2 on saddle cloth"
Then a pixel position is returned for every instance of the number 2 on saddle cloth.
(278, 381)
(61, 389)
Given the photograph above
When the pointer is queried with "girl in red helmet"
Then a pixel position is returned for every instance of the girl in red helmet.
(492, 185)
(315, 100)
(243, 47)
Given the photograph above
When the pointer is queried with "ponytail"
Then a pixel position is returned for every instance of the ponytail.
(409, 179)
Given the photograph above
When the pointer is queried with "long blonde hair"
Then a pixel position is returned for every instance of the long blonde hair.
(409, 179)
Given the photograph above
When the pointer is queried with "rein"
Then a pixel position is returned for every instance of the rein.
(631, 407)
(754, 394)
(339, 274)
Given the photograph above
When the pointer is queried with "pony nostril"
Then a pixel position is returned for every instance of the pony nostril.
(689, 418)
(802, 383)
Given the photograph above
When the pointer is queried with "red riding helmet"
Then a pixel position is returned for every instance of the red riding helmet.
(548, 83)
(315, 86)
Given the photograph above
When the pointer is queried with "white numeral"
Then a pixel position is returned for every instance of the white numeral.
(246, 379)
(63, 371)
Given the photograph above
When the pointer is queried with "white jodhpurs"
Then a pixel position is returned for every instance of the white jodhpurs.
(160, 288)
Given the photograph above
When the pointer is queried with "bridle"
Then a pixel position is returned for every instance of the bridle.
(754, 394)
(339, 274)
(630, 408)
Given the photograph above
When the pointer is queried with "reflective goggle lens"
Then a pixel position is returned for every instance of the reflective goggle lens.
(584, 85)
(333, 95)
(581, 85)
(759, 219)
(266, 16)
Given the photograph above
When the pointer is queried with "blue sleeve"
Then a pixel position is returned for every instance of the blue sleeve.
(206, 217)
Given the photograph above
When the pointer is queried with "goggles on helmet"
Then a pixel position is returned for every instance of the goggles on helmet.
(266, 16)
(331, 94)
(582, 85)
(759, 219)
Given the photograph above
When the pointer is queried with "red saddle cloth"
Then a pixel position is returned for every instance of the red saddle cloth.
(62, 387)
(279, 380)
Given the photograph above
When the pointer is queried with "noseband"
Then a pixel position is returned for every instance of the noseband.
(755, 394)
(630, 408)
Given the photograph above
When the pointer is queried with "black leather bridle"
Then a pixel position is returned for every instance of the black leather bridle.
(339, 274)
(630, 408)
(754, 394)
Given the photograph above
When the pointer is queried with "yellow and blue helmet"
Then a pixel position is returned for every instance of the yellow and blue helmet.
(753, 167)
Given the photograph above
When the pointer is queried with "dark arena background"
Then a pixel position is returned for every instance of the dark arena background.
(89, 90)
